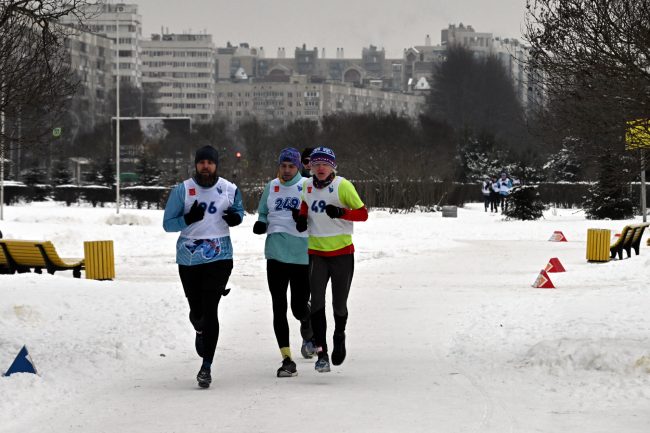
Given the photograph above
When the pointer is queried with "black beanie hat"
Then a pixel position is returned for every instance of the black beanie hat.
(307, 152)
(207, 152)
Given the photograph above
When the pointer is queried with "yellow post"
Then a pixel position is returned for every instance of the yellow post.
(598, 243)
(99, 260)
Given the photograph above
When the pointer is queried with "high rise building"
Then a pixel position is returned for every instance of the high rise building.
(419, 61)
(279, 103)
(91, 59)
(121, 21)
(183, 67)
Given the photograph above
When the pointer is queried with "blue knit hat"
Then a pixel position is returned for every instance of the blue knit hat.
(323, 155)
(291, 155)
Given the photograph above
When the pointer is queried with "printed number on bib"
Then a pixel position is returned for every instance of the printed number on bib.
(286, 203)
(209, 208)
(318, 206)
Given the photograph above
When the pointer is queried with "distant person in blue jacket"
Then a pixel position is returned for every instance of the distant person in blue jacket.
(287, 261)
(505, 185)
(203, 208)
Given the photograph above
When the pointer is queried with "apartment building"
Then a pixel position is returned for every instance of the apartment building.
(183, 68)
(122, 23)
(419, 61)
(371, 66)
(279, 103)
(91, 59)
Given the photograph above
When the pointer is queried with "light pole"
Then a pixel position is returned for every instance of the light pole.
(2, 160)
(643, 186)
(2, 154)
(117, 110)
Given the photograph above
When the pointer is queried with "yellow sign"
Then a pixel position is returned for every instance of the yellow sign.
(637, 135)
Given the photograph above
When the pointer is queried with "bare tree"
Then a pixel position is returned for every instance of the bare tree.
(595, 58)
(595, 61)
(35, 76)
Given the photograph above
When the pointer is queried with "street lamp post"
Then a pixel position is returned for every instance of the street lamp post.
(117, 111)
(2, 162)
(643, 186)
(2, 155)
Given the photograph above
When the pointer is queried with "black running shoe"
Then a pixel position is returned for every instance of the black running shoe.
(198, 344)
(288, 368)
(338, 353)
(203, 378)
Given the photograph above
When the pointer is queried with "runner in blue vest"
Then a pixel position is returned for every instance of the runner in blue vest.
(505, 185)
(286, 254)
(203, 208)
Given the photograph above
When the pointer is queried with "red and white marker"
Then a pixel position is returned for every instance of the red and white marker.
(558, 236)
(554, 265)
(543, 281)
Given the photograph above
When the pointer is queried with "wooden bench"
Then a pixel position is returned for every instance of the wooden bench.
(630, 238)
(22, 256)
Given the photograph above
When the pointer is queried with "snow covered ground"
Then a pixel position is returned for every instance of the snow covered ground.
(445, 334)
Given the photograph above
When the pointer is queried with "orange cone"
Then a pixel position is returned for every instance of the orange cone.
(558, 236)
(554, 265)
(543, 281)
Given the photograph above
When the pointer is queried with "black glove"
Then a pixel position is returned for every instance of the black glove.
(259, 228)
(295, 212)
(333, 211)
(231, 217)
(195, 214)
(301, 223)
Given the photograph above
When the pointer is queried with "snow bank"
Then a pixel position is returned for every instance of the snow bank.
(445, 332)
(564, 356)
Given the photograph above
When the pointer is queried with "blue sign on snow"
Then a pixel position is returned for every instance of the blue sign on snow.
(22, 364)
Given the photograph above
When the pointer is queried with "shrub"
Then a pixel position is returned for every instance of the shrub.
(524, 204)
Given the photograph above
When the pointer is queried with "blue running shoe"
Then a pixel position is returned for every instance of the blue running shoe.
(308, 349)
(323, 363)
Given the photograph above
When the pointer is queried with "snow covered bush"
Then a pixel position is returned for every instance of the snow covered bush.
(610, 196)
(524, 203)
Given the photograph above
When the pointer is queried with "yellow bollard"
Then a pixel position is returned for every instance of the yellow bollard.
(99, 260)
(598, 243)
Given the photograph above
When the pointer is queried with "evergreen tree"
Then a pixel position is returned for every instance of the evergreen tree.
(61, 175)
(610, 196)
(148, 171)
(107, 172)
(34, 176)
(565, 164)
(524, 204)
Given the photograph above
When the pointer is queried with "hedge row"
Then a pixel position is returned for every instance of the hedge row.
(392, 195)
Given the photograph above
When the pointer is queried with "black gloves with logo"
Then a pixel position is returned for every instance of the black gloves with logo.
(301, 223)
(231, 217)
(333, 211)
(259, 228)
(195, 214)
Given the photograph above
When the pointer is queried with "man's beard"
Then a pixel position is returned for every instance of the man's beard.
(206, 179)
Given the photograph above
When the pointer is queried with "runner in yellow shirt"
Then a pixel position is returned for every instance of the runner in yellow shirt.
(330, 204)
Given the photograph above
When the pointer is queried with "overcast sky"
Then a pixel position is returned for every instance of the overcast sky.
(351, 24)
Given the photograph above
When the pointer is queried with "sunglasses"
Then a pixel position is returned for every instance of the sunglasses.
(306, 160)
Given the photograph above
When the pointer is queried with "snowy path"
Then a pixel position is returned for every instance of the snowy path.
(445, 334)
